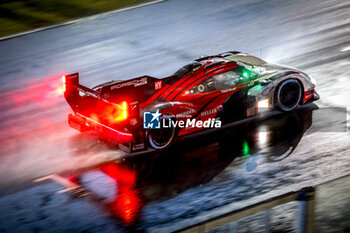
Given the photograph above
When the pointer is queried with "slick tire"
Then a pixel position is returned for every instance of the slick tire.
(288, 95)
(160, 138)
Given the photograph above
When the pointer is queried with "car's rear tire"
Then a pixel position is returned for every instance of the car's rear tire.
(161, 138)
(288, 95)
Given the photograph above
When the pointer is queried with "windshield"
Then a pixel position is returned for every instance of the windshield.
(187, 69)
(238, 75)
(248, 59)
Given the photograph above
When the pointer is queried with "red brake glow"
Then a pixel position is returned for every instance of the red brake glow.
(122, 112)
(64, 83)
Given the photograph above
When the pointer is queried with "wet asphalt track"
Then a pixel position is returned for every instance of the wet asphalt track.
(156, 40)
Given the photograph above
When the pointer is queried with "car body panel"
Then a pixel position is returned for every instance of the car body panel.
(199, 90)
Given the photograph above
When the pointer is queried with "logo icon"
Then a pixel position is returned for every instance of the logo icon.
(158, 85)
(151, 120)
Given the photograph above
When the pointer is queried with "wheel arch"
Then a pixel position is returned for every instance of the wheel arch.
(281, 77)
(284, 79)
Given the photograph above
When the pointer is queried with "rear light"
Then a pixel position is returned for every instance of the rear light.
(64, 83)
(122, 112)
(125, 113)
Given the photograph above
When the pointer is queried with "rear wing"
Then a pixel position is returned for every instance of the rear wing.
(72, 79)
(76, 94)
(93, 105)
(71, 84)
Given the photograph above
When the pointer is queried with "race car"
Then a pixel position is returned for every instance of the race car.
(148, 112)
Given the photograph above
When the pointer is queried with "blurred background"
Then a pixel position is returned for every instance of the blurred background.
(162, 192)
(19, 16)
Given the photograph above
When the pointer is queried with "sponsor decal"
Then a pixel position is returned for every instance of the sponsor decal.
(152, 120)
(228, 90)
(81, 93)
(196, 68)
(135, 83)
(192, 123)
(211, 111)
(158, 85)
(185, 114)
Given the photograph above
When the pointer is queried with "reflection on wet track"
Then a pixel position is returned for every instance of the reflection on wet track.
(198, 177)
(126, 186)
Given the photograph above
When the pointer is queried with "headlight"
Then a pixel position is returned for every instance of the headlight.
(263, 105)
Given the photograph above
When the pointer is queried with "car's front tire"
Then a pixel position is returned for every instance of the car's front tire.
(288, 95)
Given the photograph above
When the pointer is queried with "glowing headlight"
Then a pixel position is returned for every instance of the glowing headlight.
(263, 105)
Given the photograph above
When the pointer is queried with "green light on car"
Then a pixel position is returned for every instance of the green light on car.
(245, 150)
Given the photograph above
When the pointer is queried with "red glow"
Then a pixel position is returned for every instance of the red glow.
(60, 90)
(64, 83)
(122, 136)
(44, 93)
(308, 95)
(127, 203)
(123, 176)
(122, 112)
